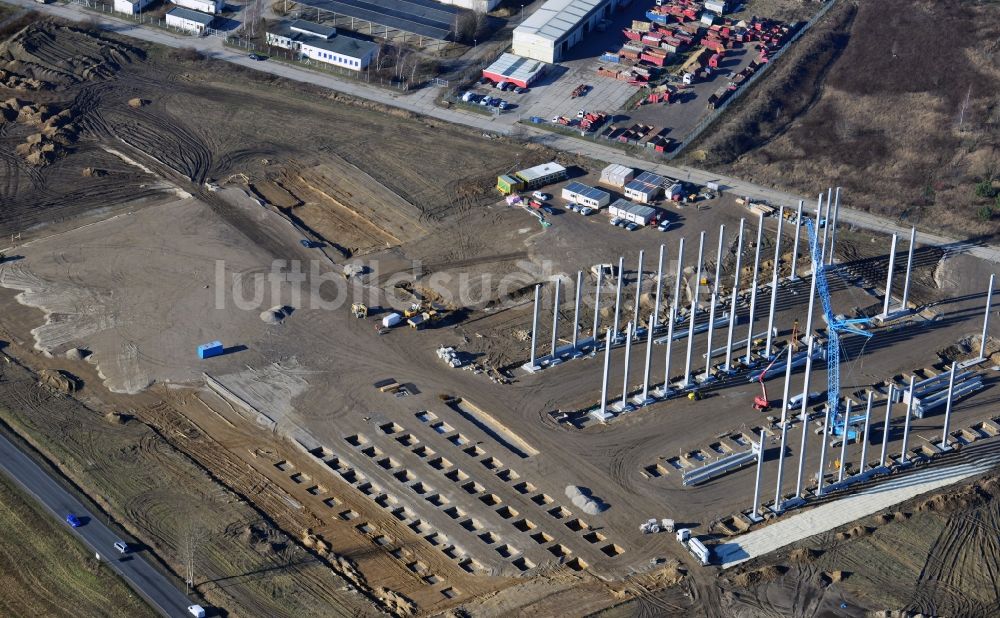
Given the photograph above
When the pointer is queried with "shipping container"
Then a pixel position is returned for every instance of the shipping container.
(391, 320)
(208, 350)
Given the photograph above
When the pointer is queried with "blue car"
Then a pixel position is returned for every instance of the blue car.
(73, 521)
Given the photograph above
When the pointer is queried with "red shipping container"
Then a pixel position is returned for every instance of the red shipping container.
(714, 61)
(632, 35)
(657, 60)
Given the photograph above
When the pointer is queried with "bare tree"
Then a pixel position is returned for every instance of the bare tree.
(190, 536)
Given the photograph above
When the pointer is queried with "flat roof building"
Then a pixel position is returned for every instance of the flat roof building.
(617, 175)
(580, 193)
(323, 44)
(131, 7)
(630, 211)
(531, 178)
(645, 188)
(377, 18)
(515, 69)
(191, 21)
(212, 7)
(559, 25)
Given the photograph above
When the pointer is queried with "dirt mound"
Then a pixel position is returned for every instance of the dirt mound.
(116, 418)
(805, 554)
(46, 56)
(76, 354)
(397, 604)
(93, 172)
(137, 102)
(762, 575)
(856, 531)
(59, 380)
(833, 577)
(276, 314)
(962, 499)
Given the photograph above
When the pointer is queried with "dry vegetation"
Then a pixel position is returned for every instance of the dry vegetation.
(895, 101)
(63, 579)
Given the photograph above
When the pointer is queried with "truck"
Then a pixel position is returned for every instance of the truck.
(696, 547)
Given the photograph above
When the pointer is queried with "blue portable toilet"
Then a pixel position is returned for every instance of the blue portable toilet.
(208, 350)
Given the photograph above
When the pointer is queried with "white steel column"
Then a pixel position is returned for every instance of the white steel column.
(670, 344)
(822, 453)
(690, 344)
(732, 300)
(638, 294)
(659, 286)
(795, 244)
(534, 327)
(986, 319)
(784, 430)
(649, 357)
(836, 216)
(909, 269)
(697, 277)
(888, 277)
(864, 437)
(819, 235)
(555, 319)
(774, 286)
(597, 305)
(756, 485)
(576, 312)
(813, 249)
(618, 295)
(628, 356)
(844, 437)
(826, 227)
(711, 329)
(904, 457)
(680, 274)
(947, 409)
(885, 427)
(753, 285)
(804, 419)
(718, 260)
(604, 380)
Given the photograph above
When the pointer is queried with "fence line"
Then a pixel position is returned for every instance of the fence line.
(708, 120)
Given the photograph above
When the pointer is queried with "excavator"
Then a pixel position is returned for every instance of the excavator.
(761, 403)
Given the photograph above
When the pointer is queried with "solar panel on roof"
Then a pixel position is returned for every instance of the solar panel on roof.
(423, 17)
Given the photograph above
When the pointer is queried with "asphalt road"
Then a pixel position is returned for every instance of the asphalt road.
(152, 585)
(423, 102)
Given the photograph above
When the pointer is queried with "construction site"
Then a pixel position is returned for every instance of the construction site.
(306, 335)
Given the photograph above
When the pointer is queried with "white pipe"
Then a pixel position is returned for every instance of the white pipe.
(909, 269)
(986, 318)
(659, 286)
(576, 312)
(774, 286)
(885, 427)
(628, 357)
(888, 277)
(864, 440)
(638, 294)
(534, 328)
(753, 285)
(690, 344)
(670, 344)
(906, 425)
(555, 319)
(756, 485)
(649, 357)
(732, 301)
(604, 380)
(803, 416)
(711, 329)
(597, 305)
(618, 295)
(784, 429)
(947, 409)
(718, 261)
(843, 443)
(795, 245)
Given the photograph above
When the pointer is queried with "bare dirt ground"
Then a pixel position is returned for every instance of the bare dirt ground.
(325, 491)
(862, 103)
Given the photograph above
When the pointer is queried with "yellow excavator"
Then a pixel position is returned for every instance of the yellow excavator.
(359, 310)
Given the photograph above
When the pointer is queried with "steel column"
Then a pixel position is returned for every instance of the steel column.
(649, 356)
(670, 344)
(756, 485)
(697, 276)
(628, 357)
(888, 277)
(833, 233)
(659, 285)
(680, 274)
(909, 268)
(804, 419)
(947, 408)
(822, 454)
(604, 380)
(597, 305)
(690, 344)
(718, 261)
(774, 286)
(732, 300)
(576, 312)
(618, 294)
(784, 430)
(711, 329)
(885, 427)
(555, 319)
(843, 443)
(864, 440)
(534, 327)
(638, 294)
(986, 319)
(828, 223)
(795, 243)
(906, 425)
(753, 285)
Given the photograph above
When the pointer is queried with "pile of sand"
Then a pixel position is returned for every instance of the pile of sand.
(804, 554)
(832, 577)
(583, 500)
(762, 575)
(116, 418)
(276, 314)
(856, 531)
(76, 354)
(56, 132)
(93, 172)
(61, 381)
(137, 102)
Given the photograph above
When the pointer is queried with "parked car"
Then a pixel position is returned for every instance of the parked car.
(664, 226)
(494, 102)
(520, 90)
(484, 81)
(257, 57)
(581, 113)
(573, 207)
(616, 221)
(543, 197)
(631, 226)
(73, 521)
(501, 86)
(503, 104)
(485, 100)
(586, 210)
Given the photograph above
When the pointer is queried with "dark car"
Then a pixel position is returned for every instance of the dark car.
(311, 244)
(257, 57)
(73, 521)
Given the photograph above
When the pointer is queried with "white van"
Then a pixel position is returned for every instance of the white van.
(197, 611)
(122, 547)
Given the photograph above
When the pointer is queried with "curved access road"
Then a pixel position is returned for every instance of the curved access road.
(149, 583)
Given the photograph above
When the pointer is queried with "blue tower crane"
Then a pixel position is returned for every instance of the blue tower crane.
(835, 327)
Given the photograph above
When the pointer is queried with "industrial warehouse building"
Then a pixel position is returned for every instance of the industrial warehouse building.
(480, 6)
(559, 25)
(323, 44)
(212, 7)
(515, 69)
(646, 187)
(580, 193)
(384, 18)
(531, 178)
(131, 7)
(617, 175)
(630, 211)
(191, 21)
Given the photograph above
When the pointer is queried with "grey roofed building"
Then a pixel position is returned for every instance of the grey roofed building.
(310, 28)
(343, 45)
(196, 16)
